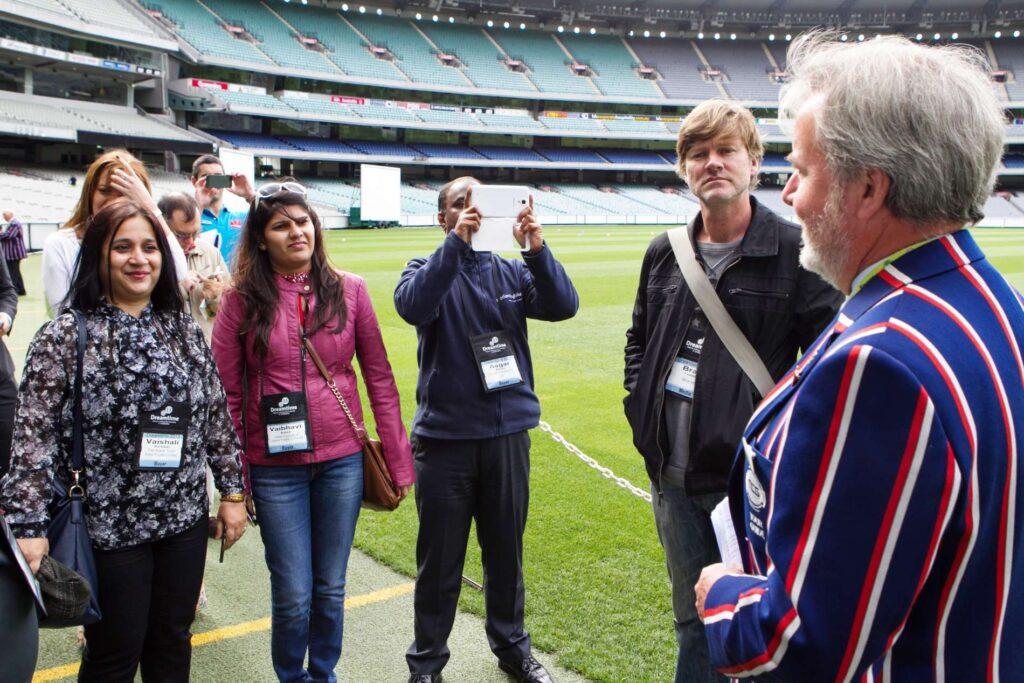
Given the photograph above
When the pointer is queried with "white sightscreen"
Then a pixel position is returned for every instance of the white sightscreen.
(380, 192)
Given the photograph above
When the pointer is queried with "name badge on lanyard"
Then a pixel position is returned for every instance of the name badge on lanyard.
(162, 432)
(496, 360)
(682, 378)
(286, 421)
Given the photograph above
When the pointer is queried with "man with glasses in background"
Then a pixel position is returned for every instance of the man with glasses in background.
(208, 273)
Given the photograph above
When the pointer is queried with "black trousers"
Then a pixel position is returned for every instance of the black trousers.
(457, 481)
(148, 597)
(7, 407)
(14, 268)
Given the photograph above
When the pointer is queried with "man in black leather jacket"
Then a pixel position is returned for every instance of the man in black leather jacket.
(687, 399)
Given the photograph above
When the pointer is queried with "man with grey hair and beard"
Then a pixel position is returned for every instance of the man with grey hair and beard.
(875, 491)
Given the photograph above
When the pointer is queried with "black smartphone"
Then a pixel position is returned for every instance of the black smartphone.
(218, 180)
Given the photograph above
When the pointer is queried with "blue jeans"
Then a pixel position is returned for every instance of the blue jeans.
(686, 534)
(307, 516)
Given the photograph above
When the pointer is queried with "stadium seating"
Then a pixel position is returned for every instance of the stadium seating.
(102, 14)
(746, 66)
(547, 61)
(388, 149)
(318, 145)
(524, 121)
(633, 156)
(481, 60)
(670, 201)
(202, 30)
(572, 123)
(571, 155)
(450, 118)
(111, 120)
(243, 101)
(1010, 56)
(679, 66)
(632, 126)
(509, 153)
(320, 107)
(613, 65)
(254, 140)
(345, 48)
(415, 55)
(446, 151)
(276, 39)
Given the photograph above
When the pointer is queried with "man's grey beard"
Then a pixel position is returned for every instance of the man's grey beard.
(830, 248)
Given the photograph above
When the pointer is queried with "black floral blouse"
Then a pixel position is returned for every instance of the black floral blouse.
(131, 364)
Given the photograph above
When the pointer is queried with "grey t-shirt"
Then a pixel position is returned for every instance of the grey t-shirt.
(717, 258)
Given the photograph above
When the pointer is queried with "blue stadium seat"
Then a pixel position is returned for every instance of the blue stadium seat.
(508, 153)
(202, 31)
(415, 55)
(481, 60)
(614, 66)
(679, 66)
(548, 63)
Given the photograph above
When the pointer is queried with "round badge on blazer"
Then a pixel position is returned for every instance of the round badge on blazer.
(755, 492)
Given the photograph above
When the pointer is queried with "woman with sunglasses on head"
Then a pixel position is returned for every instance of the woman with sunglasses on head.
(302, 454)
(153, 415)
(113, 175)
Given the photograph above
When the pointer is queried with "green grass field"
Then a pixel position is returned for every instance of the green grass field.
(597, 590)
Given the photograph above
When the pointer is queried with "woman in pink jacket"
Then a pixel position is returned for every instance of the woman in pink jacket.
(303, 457)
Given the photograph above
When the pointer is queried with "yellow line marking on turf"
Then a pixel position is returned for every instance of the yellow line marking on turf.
(242, 629)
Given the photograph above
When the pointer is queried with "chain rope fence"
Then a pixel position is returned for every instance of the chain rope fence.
(601, 469)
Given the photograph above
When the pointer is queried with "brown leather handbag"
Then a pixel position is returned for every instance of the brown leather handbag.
(379, 491)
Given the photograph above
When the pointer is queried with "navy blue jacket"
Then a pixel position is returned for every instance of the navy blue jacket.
(458, 293)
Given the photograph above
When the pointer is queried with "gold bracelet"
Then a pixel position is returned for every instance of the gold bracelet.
(233, 498)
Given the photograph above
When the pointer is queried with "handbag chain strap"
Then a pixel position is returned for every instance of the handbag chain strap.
(360, 431)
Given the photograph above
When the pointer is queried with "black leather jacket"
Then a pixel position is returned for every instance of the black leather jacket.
(779, 306)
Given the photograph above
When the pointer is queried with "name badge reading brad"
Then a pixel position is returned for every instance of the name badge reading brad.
(286, 422)
(496, 360)
(162, 432)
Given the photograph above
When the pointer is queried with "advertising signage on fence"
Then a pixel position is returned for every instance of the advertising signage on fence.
(230, 87)
(345, 99)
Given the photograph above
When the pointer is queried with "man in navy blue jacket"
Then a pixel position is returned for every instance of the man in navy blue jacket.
(474, 406)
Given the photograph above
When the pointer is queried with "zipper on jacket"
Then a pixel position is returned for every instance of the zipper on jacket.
(763, 295)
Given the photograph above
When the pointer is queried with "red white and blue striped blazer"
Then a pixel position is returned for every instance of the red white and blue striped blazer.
(876, 491)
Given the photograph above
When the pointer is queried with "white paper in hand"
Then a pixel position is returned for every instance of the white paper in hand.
(499, 205)
(725, 534)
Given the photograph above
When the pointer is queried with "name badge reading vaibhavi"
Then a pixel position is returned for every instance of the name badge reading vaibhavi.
(162, 432)
(496, 360)
(286, 422)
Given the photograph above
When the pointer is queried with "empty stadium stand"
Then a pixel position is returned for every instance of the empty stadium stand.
(613, 65)
(679, 65)
(73, 117)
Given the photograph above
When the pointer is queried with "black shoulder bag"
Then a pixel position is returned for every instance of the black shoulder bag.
(68, 534)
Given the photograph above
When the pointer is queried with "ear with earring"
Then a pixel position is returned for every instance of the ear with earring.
(262, 247)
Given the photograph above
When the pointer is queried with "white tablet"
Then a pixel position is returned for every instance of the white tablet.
(499, 206)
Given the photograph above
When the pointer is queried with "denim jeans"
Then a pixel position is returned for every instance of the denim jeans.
(307, 516)
(686, 534)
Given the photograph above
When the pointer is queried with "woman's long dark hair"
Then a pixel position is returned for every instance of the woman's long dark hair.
(87, 291)
(254, 277)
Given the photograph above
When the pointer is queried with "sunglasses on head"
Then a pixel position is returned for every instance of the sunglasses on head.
(273, 189)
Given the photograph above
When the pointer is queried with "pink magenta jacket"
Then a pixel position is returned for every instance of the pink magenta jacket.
(281, 371)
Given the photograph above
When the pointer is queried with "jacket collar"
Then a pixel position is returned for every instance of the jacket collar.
(931, 258)
(284, 285)
(761, 238)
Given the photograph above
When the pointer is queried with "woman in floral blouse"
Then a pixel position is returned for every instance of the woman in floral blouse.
(154, 414)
